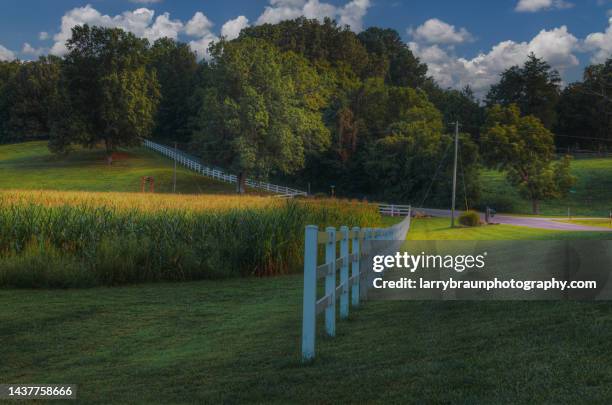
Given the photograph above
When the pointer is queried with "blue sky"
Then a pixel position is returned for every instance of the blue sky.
(463, 42)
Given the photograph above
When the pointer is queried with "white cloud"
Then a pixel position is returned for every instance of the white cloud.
(231, 29)
(350, 14)
(199, 25)
(435, 31)
(6, 54)
(556, 46)
(28, 49)
(163, 27)
(43, 36)
(601, 44)
(200, 46)
(139, 21)
(531, 6)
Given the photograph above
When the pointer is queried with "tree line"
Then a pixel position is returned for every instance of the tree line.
(311, 103)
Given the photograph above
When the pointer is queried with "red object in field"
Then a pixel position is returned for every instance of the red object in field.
(147, 180)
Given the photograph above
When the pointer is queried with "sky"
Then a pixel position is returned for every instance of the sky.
(467, 42)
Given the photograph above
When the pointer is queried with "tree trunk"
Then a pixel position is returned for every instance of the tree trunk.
(241, 183)
(109, 151)
(535, 207)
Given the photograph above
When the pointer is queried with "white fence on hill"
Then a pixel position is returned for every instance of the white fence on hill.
(354, 245)
(218, 174)
(393, 210)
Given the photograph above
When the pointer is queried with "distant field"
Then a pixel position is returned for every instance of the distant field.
(31, 166)
(592, 194)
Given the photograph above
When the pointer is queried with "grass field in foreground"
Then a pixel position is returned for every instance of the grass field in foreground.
(592, 194)
(30, 166)
(239, 341)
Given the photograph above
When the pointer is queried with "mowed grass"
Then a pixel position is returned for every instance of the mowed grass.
(606, 223)
(439, 229)
(30, 166)
(592, 194)
(238, 341)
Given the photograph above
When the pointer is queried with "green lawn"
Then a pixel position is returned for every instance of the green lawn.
(238, 341)
(31, 166)
(592, 194)
(606, 223)
(439, 229)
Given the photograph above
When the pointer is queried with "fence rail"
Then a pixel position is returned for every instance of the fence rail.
(219, 174)
(355, 244)
(394, 210)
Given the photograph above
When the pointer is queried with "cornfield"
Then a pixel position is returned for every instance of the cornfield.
(70, 239)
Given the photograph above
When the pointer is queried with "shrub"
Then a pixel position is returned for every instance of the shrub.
(469, 218)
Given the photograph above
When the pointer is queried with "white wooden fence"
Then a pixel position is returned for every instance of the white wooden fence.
(394, 210)
(354, 245)
(218, 174)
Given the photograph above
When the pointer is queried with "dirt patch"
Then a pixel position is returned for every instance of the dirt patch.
(121, 156)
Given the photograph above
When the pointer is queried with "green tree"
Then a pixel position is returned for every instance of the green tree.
(459, 105)
(401, 164)
(317, 41)
(585, 110)
(32, 92)
(392, 59)
(534, 88)
(176, 67)
(8, 71)
(524, 148)
(109, 95)
(261, 112)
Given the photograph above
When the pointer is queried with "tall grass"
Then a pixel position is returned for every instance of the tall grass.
(78, 241)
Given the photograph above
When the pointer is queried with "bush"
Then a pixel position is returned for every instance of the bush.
(469, 218)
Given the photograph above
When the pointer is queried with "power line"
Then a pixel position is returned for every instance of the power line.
(433, 179)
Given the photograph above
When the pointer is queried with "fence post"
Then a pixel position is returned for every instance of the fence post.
(330, 282)
(309, 319)
(355, 267)
(363, 287)
(344, 272)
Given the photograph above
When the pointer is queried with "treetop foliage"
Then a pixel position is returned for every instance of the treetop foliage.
(310, 101)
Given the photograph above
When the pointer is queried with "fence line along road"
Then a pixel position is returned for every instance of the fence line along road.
(354, 245)
(393, 210)
(194, 164)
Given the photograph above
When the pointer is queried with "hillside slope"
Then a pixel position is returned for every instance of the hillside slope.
(31, 166)
(591, 196)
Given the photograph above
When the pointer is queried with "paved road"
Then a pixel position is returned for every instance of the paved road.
(531, 222)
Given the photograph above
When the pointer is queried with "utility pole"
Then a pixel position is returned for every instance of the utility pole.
(455, 174)
(174, 176)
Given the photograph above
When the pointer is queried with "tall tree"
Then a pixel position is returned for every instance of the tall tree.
(32, 92)
(261, 113)
(524, 148)
(393, 59)
(459, 105)
(317, 41)
(534, 88)
(8, 71)
(110, 96)
(585, 110)
(176, 67)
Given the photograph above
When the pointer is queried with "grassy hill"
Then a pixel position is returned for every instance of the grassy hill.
(591, 196)
(31, 166)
